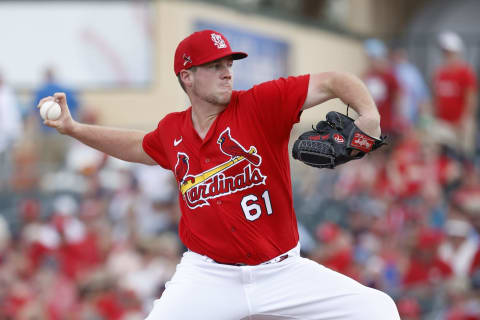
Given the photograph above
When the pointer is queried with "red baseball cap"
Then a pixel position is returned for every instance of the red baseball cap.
(202, 47)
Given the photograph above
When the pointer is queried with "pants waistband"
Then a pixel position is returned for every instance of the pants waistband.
(275, 260)
(291, 253)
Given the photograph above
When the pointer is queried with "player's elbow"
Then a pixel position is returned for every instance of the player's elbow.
(343, 80)
(143, 158)
(328, 85)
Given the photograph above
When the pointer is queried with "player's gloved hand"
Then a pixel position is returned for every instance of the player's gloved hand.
(333, 142)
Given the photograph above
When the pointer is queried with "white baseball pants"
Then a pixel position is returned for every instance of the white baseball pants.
(295, 288)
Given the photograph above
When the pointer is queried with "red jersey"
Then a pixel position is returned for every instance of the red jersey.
(475, 265)
(235, 188)
(451, 84)
(383, 86)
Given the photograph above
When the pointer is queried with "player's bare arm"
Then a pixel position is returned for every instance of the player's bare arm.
(472, 99)
(352, 91)
(119, 143)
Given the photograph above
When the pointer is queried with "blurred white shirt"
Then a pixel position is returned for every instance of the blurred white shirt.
(10, 118)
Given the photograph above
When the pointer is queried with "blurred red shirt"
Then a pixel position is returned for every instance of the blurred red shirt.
(451, 83)
(383, 86)
(420, 273)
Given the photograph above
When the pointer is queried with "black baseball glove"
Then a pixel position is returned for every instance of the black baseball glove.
(333, 142)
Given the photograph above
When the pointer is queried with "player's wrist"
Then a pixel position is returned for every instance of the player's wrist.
(71, 128)
(371, 114)
(369, 124)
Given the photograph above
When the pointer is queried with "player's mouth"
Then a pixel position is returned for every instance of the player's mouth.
(226, 87)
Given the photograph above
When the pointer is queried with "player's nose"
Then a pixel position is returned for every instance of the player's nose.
(226, 72)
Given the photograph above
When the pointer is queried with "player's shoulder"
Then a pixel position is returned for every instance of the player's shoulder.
(281, 82)
(173, 119)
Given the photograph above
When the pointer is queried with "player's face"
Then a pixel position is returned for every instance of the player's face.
(213, 82)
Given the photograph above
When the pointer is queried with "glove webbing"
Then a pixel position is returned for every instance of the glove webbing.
(311, 151)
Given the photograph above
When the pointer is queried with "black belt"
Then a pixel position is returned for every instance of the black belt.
(280, 259)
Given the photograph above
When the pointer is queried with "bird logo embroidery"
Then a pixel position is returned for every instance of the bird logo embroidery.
(232, 148)
(213, 183)
(181, 168)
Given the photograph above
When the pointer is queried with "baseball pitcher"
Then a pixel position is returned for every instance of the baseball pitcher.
(229, 154)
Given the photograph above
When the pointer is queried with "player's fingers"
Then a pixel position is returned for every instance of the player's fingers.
(50, 123)
(60, 98)
(43, 100)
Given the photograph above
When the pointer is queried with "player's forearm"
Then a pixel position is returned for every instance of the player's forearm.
(345, 86)
(472, 99)
(352, 91)
(119, 143)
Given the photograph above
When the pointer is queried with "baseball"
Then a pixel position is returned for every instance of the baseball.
(50, 110)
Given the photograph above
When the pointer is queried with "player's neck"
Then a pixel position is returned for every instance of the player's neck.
(203, 117)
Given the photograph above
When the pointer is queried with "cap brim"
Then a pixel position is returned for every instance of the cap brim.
(237, 55)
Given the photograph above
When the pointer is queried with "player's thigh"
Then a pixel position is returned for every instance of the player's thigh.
(195, 294)
(304, 289)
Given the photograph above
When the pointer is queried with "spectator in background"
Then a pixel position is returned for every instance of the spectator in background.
(455, 97)
(5, 237)
(409, 308)
(383, 86)
(415, 95)
(10, 130)
(51, 148)
(426, 269)
(471, 208)
(459, 247)
(468, 203)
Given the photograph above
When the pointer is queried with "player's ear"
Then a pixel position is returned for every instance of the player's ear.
(186, 76)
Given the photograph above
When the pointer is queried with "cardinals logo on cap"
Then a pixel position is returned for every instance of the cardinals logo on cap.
(218, 41)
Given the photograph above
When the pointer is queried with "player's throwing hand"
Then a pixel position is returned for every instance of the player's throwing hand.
(64, 123)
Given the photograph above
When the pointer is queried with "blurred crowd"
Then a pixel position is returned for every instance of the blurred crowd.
(407, 221)
(86, 236)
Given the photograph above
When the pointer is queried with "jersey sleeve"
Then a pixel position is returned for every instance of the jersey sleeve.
(153, 145)
(279, 102)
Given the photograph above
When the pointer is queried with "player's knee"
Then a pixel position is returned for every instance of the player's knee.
(377, 305)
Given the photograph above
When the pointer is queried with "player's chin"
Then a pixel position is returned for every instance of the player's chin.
(224, 97)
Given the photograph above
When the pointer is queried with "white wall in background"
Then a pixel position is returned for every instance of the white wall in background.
(92, 44)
